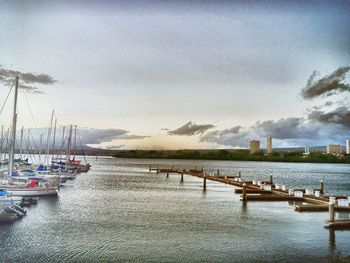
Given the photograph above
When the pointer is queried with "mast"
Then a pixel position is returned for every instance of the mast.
(69, 146)
(13, 134)
(47, 153)
(61, 149)
(75, 140)
(53, 142)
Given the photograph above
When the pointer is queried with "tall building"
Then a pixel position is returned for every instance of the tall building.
(334, 148)
(347, 146)
(269, 145)
(254, 146)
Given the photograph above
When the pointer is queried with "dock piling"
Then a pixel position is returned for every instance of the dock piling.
(182, 177)
(218, 172)
(321, 188)
(239, 174)
(271, 180)
(167, 175)
(244, 196)
(204, 183)
(331, 212)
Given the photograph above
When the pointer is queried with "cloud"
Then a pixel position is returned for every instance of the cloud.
(327, 85)
(285, 132)
(340, 115)
(28, 80)
(85, 136)
(97, 136)
(236, 137)
(190, 129)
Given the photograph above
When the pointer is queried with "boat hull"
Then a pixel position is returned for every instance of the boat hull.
(7, 218)
(32, 191)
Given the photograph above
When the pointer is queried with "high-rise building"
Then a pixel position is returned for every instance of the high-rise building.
(269, 145)
(347, 146)
(254, 146)
(334, 148)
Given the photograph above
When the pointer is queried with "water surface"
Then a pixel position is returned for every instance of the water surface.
(118, 211)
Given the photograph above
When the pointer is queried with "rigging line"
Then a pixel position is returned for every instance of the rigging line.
(30, 110)
(81, 145)
(2, 108)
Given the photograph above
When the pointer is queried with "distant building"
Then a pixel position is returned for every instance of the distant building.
(254, 146)
(334, 148)
(347, 146)
(269, 145)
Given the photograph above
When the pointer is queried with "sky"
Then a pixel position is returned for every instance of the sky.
(180, 74)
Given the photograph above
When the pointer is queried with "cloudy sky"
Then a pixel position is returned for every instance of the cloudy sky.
(180, 74)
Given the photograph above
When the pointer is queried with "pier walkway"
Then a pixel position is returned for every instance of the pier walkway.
(315, 199)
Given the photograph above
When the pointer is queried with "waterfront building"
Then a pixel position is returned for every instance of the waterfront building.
(269, 144)
(254, 146)
(334, 148)
(348, 146)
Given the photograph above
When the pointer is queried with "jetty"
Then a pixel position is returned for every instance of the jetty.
(306, 200)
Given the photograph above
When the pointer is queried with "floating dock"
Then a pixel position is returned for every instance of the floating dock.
(267, 191)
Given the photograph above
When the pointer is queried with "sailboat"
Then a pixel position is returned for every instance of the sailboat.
(22, 187)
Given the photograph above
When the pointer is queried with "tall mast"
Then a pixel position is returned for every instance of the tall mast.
(53, 142)
(61, 149)
(13, 134)
(47, 153)
(75, 140)
(69, 146)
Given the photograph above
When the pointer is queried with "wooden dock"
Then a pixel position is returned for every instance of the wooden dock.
(267, 191)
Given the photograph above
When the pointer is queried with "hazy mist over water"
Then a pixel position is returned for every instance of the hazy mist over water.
(120, 212)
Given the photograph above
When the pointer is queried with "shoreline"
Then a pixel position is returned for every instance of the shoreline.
(232, 155)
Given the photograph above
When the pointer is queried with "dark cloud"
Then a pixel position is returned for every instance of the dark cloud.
(327, 85)
(236, 136)
(27, 79)
(288, 129)
(190, 129)
(340, 115)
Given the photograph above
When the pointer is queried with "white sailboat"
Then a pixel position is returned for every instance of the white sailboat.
(19, 187)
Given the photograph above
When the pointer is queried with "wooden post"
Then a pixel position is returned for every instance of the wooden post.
(150, 168)
(218, 172)
(157, 169)
(182, 177)
(239, 174)
(331, 212)
(321, 188)
(271, 181)
(204, 183)
(202, 169)
(244, 196)
(167, 175)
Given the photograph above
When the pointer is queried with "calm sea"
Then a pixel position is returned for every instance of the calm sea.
(120, 212)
